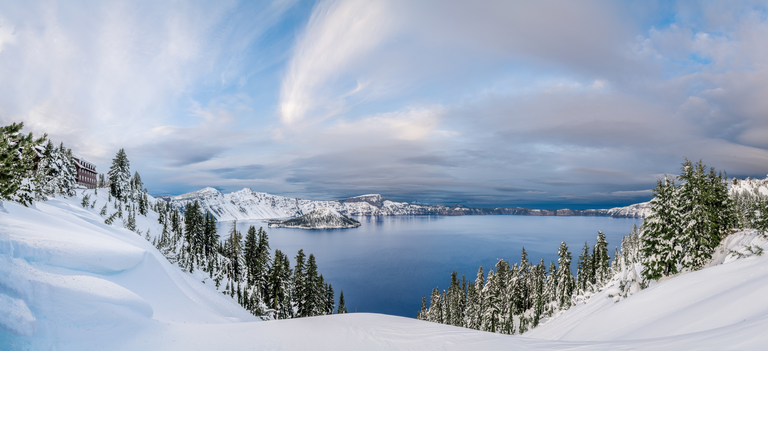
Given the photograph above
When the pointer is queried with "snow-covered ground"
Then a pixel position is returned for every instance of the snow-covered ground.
(68, 281)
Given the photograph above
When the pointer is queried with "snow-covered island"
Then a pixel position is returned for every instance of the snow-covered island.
(320, 218)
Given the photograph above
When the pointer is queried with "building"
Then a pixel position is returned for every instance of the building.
(86, 172)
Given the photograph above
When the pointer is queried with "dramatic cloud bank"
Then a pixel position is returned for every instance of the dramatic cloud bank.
(548, 103)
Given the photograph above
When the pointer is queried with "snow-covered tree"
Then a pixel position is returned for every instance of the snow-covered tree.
(660, 239)
(565, 282)
(17, 155)
(120, 176)
(600, 261)
(492, 307)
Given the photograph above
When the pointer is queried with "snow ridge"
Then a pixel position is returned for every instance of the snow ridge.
(246, 204)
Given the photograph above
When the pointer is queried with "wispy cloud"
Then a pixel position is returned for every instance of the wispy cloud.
(338, 34)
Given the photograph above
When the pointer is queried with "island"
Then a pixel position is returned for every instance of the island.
(319, 218)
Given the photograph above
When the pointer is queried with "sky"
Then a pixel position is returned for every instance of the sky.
(546, 104)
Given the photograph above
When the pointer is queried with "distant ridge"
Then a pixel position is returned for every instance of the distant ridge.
(246, 204)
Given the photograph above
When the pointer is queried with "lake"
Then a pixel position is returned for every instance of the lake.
(389, 262)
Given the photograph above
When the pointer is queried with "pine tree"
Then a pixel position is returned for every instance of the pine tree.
(537, 286)
(250, 254)
(17, 154)
(67, 180)
(329, 298)
(492, 303)
(46, 175)
(600, 261)
(343, 308)
(706, 211)
(583, 270)
(475, 301)
(565, 283)
(302, 293)
(550, 289)
(435, 313)
(120, 176)
(660, 246)
(422, 315)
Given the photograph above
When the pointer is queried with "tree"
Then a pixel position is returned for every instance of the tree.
(120, 176)
(600, 261)
(584, 269)
(343, 308)
(17, 156)
(302, 293)
(329, 298)
(538, 277)
(475, 301)
(67, 178)
(659, 241)
(46, 174)
(492, 303)
(707, 213)
(250, 250)
(565, 283)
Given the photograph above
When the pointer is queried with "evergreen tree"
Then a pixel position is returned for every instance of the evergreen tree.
(17, 155)
(550, 289)
(600, 261)
(565, 283)
(250, 250)
(47, 174)
(120, 176)
(435, 313)
(475, 301)
(302, 292)
(67, 180)
(492, 303)
(343, 308)
(422, 315)
(537, 287)
(583, 270)
(329, 297)
(661, 232)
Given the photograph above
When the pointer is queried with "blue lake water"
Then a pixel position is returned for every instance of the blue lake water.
(387, 264)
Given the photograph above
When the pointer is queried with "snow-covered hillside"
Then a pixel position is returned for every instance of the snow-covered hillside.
(723, 306)
(247, 204)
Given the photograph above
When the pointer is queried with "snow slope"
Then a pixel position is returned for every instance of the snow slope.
(70, 282)
(725, 305)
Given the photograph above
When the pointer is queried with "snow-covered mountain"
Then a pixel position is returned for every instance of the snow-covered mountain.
(247, 204)
(320, 218)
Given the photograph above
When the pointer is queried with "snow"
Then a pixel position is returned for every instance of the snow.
(723, 306)
(68, 281)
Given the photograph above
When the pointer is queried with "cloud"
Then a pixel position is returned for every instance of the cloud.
(338, 34)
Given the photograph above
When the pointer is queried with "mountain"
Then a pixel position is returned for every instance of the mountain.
(320, 218)
(247, 204)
